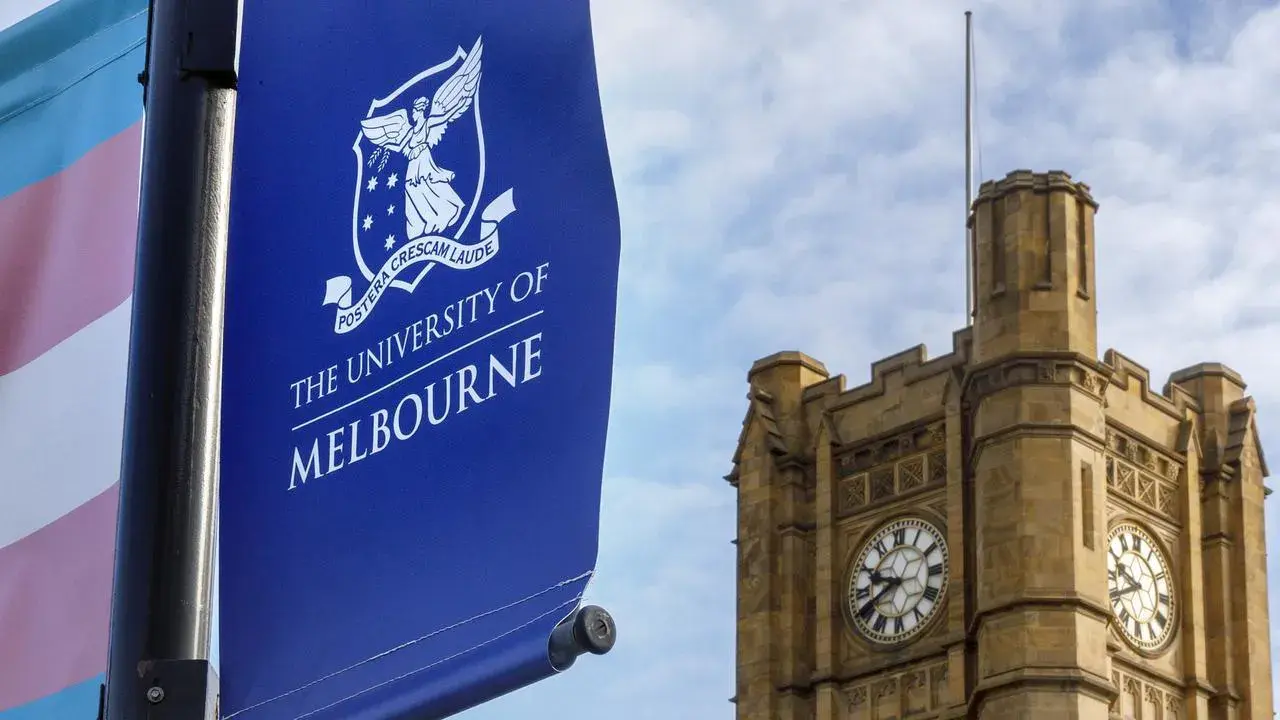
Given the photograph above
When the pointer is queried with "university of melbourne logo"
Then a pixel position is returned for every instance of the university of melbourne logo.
(413, 156)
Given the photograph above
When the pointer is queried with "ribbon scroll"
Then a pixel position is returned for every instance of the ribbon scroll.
(433, 249)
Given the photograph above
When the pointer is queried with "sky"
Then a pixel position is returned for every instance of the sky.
(790, 177)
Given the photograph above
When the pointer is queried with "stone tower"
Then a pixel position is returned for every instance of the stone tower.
(1016, 529)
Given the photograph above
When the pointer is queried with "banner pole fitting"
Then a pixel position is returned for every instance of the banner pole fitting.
(590, 630)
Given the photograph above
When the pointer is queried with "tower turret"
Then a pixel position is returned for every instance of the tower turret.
(1036, 435)
(1034, 266)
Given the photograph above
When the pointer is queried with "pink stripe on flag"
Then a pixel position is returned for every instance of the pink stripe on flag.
(66, 249)
(55, 602)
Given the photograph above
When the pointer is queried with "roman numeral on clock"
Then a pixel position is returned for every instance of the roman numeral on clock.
(900, 536)
(879, 624)
(935, 569)
(898, 625)
(930, 593)
(862, 593)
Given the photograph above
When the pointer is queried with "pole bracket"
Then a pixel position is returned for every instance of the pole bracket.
(179, 690)
(211, 48)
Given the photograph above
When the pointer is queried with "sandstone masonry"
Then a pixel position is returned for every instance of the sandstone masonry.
(1027, 452)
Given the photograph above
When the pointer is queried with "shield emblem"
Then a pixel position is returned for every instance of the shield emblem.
(419, 164)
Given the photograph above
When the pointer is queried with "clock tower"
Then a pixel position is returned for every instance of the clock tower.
(1016, 529)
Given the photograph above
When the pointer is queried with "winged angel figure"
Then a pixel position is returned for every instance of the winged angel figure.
(430, 202)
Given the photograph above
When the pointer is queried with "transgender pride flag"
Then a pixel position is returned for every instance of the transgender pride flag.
(70, 137)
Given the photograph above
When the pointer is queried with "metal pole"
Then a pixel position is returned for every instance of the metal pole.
(161, 601)
(968, 167)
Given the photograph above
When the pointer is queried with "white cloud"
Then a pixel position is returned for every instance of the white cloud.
(790, 178)
(657, 388)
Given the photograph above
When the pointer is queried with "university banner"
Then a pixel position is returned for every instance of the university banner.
(418, 354)
(70, 147)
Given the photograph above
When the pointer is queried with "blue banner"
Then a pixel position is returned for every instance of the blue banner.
(419, 345)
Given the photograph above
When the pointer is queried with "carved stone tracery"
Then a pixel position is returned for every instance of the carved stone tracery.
(900, 691)
(882, 484)
(1143, 474)
(877, 471)
(856, 696)
(862, 456)
(1167, 703)
(911, 473)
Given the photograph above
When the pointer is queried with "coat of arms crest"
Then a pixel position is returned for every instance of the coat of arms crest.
(407, 214)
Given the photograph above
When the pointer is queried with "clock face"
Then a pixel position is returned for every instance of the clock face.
(1141, 590)
(899, 581)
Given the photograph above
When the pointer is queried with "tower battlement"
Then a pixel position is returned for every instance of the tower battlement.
(1039, 182)
(1014, 529)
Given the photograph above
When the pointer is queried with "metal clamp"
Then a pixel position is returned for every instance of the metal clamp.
(212, 47)
(211, 41)
(590, 630)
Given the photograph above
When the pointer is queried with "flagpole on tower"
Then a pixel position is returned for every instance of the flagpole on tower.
(968, 169)
(161, 604)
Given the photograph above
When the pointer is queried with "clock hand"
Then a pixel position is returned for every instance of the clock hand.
(1138, 586)
(1125, 572)
(889, 583)
(1115, 594)
(1134, 585)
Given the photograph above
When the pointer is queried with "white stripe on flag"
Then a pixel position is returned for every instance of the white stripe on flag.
(63, 414)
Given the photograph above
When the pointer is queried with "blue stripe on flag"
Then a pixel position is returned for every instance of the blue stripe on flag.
(77, 702)
(68, 81)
